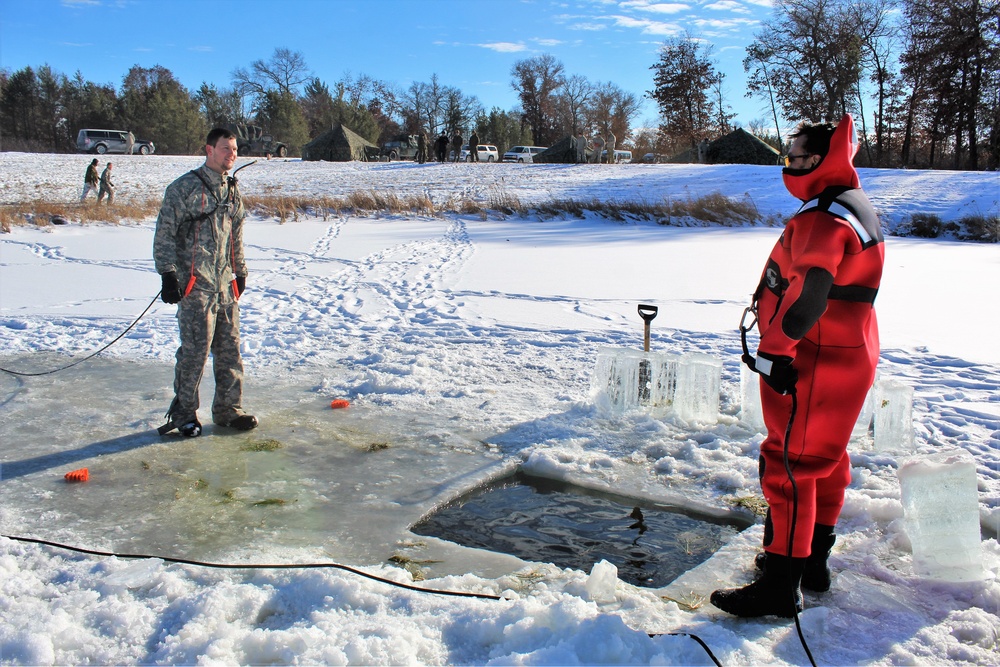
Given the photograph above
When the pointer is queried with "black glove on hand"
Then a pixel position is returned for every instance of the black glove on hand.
(781, 376)
(241, 283)
(171, 292)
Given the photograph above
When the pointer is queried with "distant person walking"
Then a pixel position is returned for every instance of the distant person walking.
(610, 145)
(456, 147)
(474, 147)
(597, 157)
(90, 180)
(129, 143)
(107, 187)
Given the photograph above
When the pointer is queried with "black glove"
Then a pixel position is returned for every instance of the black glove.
(241, 283)
(780, 375)
(171, 292)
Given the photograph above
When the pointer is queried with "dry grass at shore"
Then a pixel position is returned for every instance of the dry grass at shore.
(708, 210)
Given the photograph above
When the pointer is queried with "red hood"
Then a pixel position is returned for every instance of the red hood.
(837, 168)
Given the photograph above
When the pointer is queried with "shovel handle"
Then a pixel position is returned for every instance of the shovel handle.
(647, 313)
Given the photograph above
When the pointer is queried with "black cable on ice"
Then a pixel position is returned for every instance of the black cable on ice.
(256, 566)
(306, 566)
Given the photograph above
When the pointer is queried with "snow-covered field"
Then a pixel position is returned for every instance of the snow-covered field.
(467, 345)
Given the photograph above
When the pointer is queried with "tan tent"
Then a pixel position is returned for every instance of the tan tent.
(340, 144)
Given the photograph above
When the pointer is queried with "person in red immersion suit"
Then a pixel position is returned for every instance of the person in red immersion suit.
(816, 358)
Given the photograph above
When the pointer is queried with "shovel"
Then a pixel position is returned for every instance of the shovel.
(647, 313)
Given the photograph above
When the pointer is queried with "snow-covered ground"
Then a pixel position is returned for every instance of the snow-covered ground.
(467, 347)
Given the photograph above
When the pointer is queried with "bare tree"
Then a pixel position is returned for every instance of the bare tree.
(878, 45)
(537, 82)
(572, 103)
(809, 56)
(285, 73)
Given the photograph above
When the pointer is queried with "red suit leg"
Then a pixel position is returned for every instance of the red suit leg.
(830, 393)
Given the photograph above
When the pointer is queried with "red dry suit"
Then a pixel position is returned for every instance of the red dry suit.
(814, 304)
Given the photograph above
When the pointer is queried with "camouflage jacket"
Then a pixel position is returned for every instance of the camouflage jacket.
(90, 178)
(199, 232)
(106, 179)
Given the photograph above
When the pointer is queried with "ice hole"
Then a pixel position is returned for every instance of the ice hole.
(547, 521)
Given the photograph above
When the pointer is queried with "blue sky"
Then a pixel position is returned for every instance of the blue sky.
(470, 44)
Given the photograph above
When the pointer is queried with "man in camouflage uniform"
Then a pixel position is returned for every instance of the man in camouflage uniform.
(199, 235)
(107, 187)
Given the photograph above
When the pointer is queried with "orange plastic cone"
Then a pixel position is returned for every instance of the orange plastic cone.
(339, 403)
(81, 475)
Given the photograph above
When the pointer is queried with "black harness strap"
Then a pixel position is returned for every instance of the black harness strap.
(853, 293)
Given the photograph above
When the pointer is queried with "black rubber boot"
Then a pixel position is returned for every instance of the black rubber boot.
(775, 593)
(816, 575)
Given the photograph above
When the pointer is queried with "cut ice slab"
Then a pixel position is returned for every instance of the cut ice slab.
(625, 379)
(686, 386)
(893, 407)
(335, 484)
(941, 504)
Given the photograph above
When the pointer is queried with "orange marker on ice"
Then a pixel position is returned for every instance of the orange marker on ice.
(81, 475)
(339, 403)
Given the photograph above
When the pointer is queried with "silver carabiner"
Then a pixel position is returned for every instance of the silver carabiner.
(750, 310)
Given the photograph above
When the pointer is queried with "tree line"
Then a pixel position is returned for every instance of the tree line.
(42, 110)
(925, 71)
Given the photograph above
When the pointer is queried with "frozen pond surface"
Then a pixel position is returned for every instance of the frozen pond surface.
(342, 483)
(311, 481)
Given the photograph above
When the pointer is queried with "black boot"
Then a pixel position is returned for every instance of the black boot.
(775, 593)
(816, 575)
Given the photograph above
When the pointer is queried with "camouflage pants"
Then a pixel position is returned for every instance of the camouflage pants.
(208, 325)
(110, 192)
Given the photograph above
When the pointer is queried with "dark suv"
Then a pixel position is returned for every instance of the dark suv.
(403, 147)
(110, 141)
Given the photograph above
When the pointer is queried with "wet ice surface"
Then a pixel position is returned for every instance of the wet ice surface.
(340, 483)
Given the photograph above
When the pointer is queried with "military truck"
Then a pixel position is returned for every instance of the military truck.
(403, 147)
(251, 140)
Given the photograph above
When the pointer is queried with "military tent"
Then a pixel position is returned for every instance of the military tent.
(563, 151)
(737, 147)
(741, 147)
(340, 145)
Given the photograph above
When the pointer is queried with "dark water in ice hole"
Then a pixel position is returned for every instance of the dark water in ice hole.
(546, 521)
